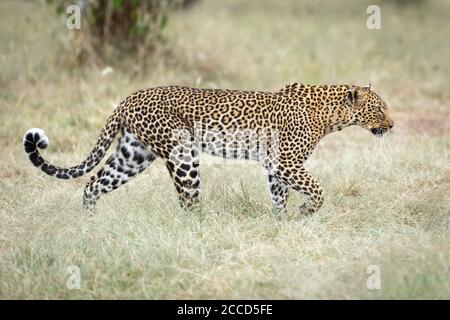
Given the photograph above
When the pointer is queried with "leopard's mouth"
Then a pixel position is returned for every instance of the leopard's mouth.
(378, 132)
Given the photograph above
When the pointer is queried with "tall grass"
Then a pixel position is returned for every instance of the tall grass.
(386, 200)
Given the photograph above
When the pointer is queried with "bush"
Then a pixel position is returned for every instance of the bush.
(121, 26)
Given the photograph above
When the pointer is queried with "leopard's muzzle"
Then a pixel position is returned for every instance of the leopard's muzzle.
(378, 132)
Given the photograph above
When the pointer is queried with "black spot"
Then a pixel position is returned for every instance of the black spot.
(104, 182)
(170, 166)
(181, 173)
(42, 145)
(36, 159)
(125, 152)
(193, 174)
(36, 137)
(194, 153)
(139, 158)
(115, 182)
(130, 173)
(62, 176)
(185, 167)
(51, 169)
(29, 146)
(29, 137)
(76, 174)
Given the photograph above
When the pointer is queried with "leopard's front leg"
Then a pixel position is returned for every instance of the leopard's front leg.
(300, 180)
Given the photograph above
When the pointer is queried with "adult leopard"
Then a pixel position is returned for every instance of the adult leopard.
(279, 129)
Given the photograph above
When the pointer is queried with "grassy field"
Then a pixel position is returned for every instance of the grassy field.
(387, 201)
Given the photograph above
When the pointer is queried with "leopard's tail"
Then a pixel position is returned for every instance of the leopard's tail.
(36, 138)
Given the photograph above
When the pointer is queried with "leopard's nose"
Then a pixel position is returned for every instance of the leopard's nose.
(391, 124)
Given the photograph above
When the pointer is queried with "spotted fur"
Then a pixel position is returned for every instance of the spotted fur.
(279, 129)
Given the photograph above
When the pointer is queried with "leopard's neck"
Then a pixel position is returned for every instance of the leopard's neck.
(332, 109)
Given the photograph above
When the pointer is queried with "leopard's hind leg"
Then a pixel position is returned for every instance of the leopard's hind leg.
(186, 178)
(131, 157)
(183, 165)
(279, 192)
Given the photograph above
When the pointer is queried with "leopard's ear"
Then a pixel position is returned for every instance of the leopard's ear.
(356, 96)
(368, 87)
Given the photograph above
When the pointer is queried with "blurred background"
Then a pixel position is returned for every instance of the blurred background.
(125, 45)
(256, 44)
(387, 201)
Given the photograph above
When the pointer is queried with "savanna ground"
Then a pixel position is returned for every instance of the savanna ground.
(387, 201)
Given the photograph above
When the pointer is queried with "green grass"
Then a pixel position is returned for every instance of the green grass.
(387, 201)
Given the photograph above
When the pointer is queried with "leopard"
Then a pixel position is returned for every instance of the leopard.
(279, 129)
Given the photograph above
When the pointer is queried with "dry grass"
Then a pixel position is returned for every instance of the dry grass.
(387, 201)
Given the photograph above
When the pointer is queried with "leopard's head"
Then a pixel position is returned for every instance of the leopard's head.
(369, 111)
